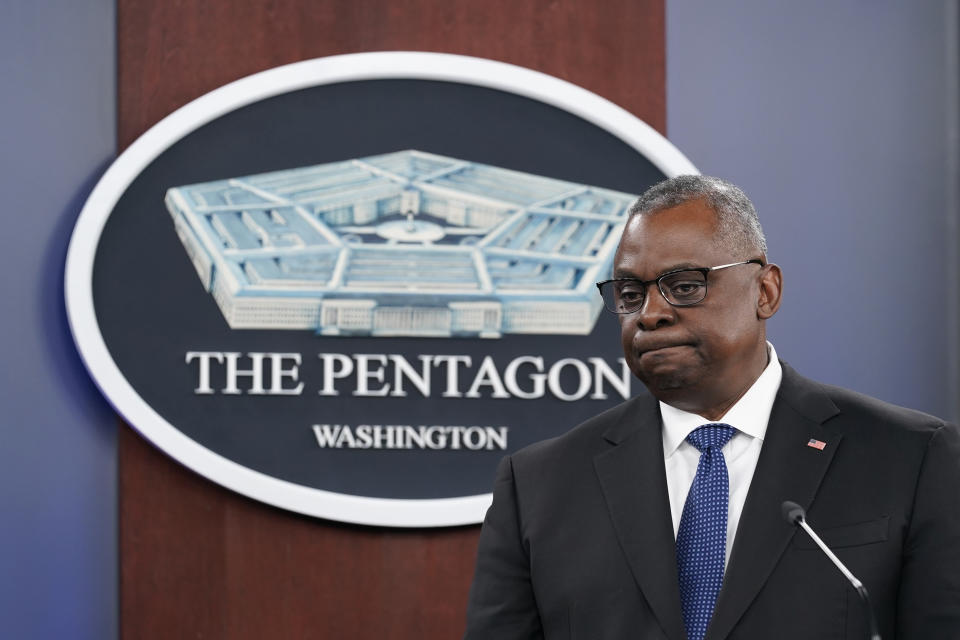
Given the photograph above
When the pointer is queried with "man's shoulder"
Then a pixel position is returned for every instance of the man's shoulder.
(841, 406)
(590, 436)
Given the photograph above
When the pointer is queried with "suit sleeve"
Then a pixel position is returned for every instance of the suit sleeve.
(502, 603)
(929, 598)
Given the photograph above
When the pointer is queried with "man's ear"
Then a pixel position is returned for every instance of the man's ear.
(771, 288)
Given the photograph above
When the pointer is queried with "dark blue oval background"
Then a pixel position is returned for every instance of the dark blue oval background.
(152, 308)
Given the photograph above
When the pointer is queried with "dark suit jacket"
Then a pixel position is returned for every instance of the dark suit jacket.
(579, 543)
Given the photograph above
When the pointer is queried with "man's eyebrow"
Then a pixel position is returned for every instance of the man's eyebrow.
(626, 273)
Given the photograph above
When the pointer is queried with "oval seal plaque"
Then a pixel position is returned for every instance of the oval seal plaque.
(348, 286)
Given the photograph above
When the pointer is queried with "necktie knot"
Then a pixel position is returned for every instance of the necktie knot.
(711, 436)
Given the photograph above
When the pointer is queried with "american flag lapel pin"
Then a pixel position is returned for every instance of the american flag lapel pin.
(816, 444)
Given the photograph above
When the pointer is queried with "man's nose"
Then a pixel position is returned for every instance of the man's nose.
(655, 311)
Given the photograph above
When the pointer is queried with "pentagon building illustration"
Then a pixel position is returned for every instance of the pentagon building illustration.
(402, 244)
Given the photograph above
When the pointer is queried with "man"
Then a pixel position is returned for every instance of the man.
(661, 518)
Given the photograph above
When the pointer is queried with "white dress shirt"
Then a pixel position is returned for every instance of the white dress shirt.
(749, 416)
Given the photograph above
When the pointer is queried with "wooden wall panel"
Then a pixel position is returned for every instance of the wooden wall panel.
(199, 561)
(170, 52)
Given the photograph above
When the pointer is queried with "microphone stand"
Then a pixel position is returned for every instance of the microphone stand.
(795, 515)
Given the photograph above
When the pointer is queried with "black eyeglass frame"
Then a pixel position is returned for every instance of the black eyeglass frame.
(644, 284)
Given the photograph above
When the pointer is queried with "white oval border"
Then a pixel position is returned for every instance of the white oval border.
(78, 279)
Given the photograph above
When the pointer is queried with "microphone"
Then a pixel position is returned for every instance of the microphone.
(795, 515)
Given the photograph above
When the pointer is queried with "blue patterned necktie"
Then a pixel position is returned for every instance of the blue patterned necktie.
(702, 536)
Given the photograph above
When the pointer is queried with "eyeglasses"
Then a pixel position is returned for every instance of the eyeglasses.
(681, 288)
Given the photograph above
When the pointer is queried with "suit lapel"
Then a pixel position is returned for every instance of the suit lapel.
(633, 480)
(788, 469)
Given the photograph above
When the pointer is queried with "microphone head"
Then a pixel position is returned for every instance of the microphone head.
(792, 512)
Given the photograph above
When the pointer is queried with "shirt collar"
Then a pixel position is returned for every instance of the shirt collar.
(749, 414)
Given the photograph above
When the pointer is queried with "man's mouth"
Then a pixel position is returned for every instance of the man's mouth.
(660, 348)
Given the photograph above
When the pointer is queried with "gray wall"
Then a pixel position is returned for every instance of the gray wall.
(58, 445)
(834, 116)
